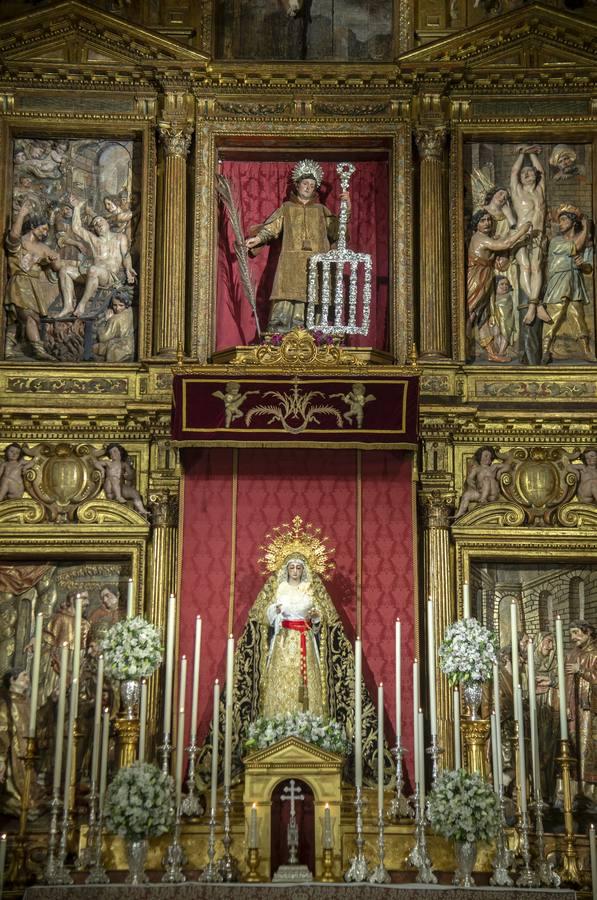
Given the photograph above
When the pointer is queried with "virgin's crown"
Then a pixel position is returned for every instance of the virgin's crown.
(297, 540)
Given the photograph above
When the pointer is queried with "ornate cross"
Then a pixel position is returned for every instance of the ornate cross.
(292, 793)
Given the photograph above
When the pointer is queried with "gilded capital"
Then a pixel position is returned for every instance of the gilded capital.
(175, 138)
(164, 509)
(437, 508)
(431, 140)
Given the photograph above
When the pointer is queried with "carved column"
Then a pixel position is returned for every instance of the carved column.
(162, 582)
(175, 137)
(437, 507)
(434, 337)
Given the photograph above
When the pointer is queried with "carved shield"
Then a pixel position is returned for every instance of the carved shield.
(538, 483)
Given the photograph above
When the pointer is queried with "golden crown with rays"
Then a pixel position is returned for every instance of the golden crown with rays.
(297, 540)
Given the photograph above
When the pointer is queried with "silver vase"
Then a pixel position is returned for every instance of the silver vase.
(466, 855)
(130, 691)
(136, 854)
(472, 691)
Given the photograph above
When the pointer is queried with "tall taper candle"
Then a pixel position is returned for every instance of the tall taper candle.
(2, 862)
(195, 696)
(535, 766)
(358, 720)
(593, 852)
(228, 721)
(581, 599)
(514, 639)
(398, 681)
(466, 601)
(39, 620)
(421, 725)
(253, 843)
(70, 737)
(182, 685)
(380, 759)
(104, 757)
(457, 739)
(130, 606)
(169, 674)
(498, 721)
(494, 757)
(143, 720)
(214, 750)
(60, 717)
(561, 678)
(97, 720)
(77, 637)
(416, 704)
(328, 840)
(522, 769)
(431, 667)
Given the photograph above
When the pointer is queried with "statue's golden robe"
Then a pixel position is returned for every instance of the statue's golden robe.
(582, 703)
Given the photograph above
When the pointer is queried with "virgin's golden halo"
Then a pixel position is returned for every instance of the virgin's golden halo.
(297, 540)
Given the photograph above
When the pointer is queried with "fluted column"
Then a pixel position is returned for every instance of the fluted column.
(161, 583)
(437, 507)
(175, 138)
(434, 337)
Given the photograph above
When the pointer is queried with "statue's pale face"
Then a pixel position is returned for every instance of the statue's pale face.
(578, 637)
(306, 188)
(295, 571)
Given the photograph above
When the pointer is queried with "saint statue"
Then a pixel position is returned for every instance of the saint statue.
(581, 669)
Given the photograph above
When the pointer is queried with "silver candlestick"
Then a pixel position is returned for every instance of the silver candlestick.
(86, 855)
(211, 874)
(191, 805)
(399, 808)
(380, 874)
(97, 873)
(358, 869)
(62, 875)
(544, 868)
(501, 862)
(55, 871)
(165, 750)
(174, 859)
(434, 751)
(527, 877)
(227, 863)
(418, 856)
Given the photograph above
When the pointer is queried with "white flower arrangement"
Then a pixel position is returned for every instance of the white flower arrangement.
(132, 649)
(463, 807)
(325, 733)
(139, 802)
(468, 652)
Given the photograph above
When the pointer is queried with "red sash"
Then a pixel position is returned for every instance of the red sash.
(303, 627)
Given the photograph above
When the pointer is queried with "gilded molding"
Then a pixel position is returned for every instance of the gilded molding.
(175, 138)
(437, 508)
(431, 140)
(164, 507)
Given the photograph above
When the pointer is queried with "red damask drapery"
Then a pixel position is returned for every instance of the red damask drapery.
(261, 187)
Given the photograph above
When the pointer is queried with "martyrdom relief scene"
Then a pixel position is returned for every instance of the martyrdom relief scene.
(71, 293)
(540, 593)
(54, 590)
(530, 281)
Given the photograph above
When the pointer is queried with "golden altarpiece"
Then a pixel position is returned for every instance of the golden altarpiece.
(126, 113)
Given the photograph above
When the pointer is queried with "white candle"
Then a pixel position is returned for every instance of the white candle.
(421, 725)
(39, 619)
(182, 684)
(593, 851)
(72, 719)
(169, 675)
(522, 769)
(60, 719)
(253, 833)
(229, 707)
(104, 757)
(328, 841)
(431, 667)
(2, 862)
(77, 636)
(358, 722)
(214, 750)
(498, 722)
(561, 678)
(416, 703)
(380, 759)
(494, 756)
(143, 720)
(97, 721)
(195, 696)
(398, 681)
(457, 744)
(466, 601)
(514, 638)
(581, 599)
(533, 720)
(130, 607)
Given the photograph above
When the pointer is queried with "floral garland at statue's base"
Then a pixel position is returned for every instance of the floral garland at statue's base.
(325, 733)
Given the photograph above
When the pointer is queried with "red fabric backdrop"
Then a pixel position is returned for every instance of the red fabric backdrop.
(261, 187)
(320, 486)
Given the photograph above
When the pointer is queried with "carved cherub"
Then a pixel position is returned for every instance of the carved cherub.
(233, 400)
(356, 400)
(482, 483)
(119, 477)
(586, 474)
(12, 486)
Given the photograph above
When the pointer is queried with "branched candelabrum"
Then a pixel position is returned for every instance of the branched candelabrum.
(434, 751)
(418, 856)
(227, 863)
(380, 874)
(211, 874)
(97, 872)
(174, 859)
(501, 862)
(191, 805)
(358, 869)
(399, 808)
(165, 750)
(543, 867)
(527, 877)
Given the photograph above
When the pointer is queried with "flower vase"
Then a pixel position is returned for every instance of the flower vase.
(136, 853)
(130, 691)
(466, 855)
(472, 692)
